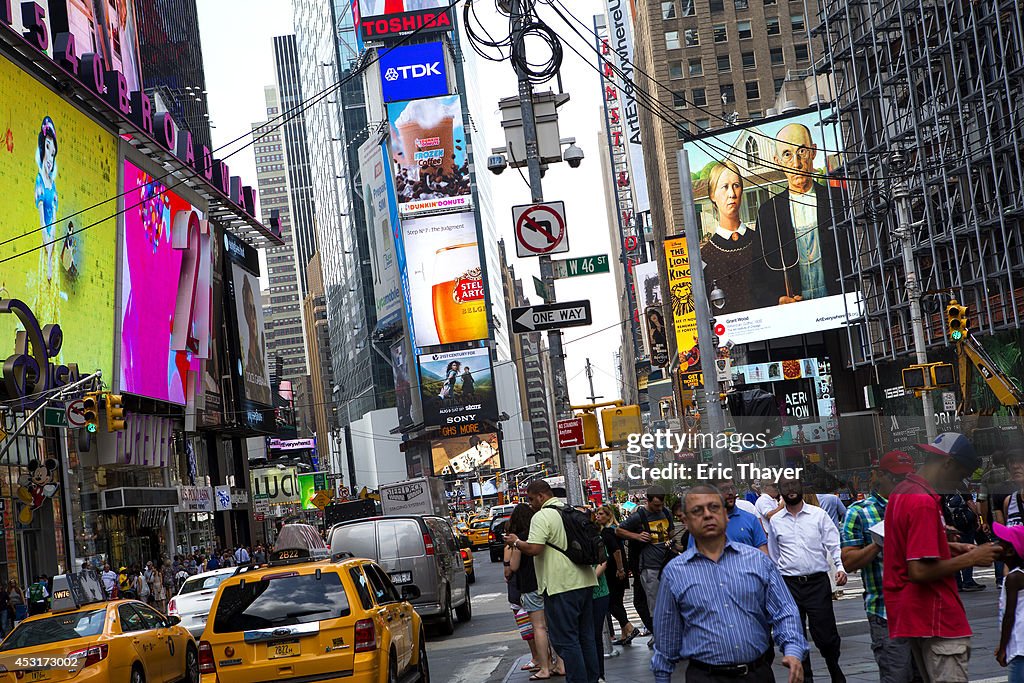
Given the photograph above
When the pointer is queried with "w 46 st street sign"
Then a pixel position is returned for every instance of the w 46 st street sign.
(584, 265)
(551, 317)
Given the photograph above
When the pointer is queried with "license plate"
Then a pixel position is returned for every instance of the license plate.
(399, 578)
(287, 648)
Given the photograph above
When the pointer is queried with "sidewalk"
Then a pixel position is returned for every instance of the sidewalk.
(633, 662)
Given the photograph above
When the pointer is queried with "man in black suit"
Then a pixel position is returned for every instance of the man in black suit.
(796, 226)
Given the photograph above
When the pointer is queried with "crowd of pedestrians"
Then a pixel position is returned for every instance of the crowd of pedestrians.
(728, 582)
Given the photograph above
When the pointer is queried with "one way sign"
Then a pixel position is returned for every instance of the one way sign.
(551, 317)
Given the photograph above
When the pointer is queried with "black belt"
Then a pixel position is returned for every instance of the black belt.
(734, 670)
(807, 578)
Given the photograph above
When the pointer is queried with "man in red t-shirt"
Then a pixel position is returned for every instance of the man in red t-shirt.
(919, 565)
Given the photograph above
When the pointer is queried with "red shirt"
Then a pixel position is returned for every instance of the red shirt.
(915, 530)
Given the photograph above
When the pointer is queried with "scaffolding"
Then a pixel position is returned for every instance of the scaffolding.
(942, 81)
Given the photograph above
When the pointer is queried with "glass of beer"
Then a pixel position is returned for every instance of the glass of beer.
(460, 313)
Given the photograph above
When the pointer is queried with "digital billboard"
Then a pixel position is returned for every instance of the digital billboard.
(384, 20)
(252, 341)
(428, 146)
(407, 400)
(457, 387)
(107, 27)
(310, 484)
(766, 208)
(382, 230)
(462, 454)
(165, 290)
(56, 169)
(446, 283)
(413, 72)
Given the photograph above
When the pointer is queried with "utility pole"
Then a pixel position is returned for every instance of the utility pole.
(712, 400)
(570, 468)
(905, 233)
(600, 462)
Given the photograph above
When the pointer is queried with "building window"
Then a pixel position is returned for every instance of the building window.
(686, 8)
(720, 33)
(692, 37)
(802, 54)
(696, 67)
(753, 91)
(778, 59)
(749, 61)
(797, 20)
(770, 2)
(717, 6)
(682, 134)
(671, 40)
(740, 4)
(668, 10)
(678, 100)
(771, 25)
(703, 124)
(723, 63)
(752, 152)
(675, 69)
(699, 97)
(777, 84)
(728, 93)
(743, 29)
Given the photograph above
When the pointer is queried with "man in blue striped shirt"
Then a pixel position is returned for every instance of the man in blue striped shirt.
(721, 603)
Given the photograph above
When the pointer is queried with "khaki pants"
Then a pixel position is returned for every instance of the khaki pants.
(942, 660)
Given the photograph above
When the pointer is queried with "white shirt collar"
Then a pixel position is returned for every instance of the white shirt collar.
(727, 234)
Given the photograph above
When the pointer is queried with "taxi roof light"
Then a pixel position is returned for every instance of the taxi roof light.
(298, 543)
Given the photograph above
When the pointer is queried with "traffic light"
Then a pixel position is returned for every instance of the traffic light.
(928, 376)
(956, 321)
(915, 377)
(115, 413)
(591, 432)
(618, 423)
(942, 375)
(91, 412)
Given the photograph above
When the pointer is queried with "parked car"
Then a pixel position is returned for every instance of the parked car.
(192, 603)
(495, 542)
(414, 550)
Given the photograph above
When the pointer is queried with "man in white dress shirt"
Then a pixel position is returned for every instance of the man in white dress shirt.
(768, 501)
(804, 542)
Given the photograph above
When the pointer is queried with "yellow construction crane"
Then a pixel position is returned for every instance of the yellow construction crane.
(971, 353)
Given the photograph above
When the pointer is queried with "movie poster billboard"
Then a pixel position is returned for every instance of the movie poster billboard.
(389, 20)
(57, 168)
(684, 315)
(166, 282)
(766, 209)
(407, 401)
(652, 315)
(462, 454)
(446, 283)
(457, 387)
(428, 146)
(382, 224)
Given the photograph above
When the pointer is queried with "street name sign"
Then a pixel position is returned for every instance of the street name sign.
(584, 265)
(551, 316)
(54, 417)
(540, 229)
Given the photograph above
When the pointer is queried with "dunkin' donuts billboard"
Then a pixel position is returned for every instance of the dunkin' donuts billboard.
(428, 147)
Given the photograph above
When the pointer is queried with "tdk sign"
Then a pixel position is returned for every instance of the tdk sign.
(412, 72)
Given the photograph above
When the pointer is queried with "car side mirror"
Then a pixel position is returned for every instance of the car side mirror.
(410, 592)
(173, 620)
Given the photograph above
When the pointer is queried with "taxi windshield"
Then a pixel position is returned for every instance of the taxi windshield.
(483, 524)
(280, 601)
(56, 629)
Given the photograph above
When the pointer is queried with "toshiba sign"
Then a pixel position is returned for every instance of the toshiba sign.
(380, 28)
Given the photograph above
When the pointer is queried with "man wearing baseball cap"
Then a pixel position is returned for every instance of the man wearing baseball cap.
(919, 565)
(860, 551)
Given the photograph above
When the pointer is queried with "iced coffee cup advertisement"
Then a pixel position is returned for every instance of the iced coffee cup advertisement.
(457, 388)
(428, 146)
(446, 283)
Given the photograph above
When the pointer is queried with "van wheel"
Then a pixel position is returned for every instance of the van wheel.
(464, 612)
(422, 666)
(137, 675)
(446, 625)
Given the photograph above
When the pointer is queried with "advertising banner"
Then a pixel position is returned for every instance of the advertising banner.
(309, 485)
(195, 499)
(429, 150)
(410, 409)
(292, 444)
(684, 314)
(457, 387)
(803, 389)
(108, 28)
(465, 454)
(165, 290)
(648, 302)
(446, 282)
(413, 72)
(382, 224)
(765, 206)
(222, 498)
(273, 486)
(389, 20)
(56, 169)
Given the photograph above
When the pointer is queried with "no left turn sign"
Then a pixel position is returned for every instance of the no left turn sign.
(540, 229)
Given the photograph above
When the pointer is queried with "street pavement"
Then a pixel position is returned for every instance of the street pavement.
(489, 648)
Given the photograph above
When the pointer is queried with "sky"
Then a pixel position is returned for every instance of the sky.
(239, 63)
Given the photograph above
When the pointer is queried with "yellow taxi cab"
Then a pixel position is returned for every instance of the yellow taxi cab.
(304, 616)
(88, 639)
(478, 531)
(466, 549)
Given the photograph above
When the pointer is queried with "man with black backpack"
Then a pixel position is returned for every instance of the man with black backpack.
(648, 530)
(566, 545)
